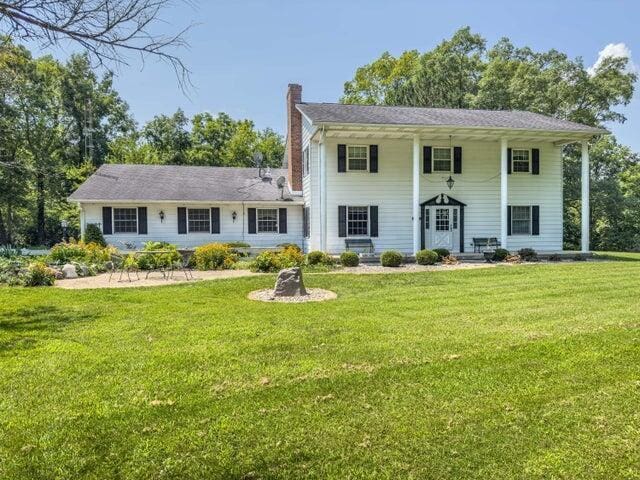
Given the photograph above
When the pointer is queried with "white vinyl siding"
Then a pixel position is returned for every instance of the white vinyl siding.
(125, 220)
(230, 230)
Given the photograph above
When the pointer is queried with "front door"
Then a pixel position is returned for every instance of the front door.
(442, 227)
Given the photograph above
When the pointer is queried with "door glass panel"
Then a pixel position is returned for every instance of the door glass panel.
(442, 220)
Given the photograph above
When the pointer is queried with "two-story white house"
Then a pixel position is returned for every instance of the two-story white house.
(377, 177)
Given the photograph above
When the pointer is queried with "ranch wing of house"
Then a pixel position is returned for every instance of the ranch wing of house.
(380, 177)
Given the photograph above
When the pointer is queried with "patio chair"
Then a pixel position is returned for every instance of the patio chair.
(185, 264)
(116, 262)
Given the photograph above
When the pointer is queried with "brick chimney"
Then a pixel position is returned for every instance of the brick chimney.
(294, 137)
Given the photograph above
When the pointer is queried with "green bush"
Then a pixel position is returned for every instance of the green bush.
(215, 256)
(9, 251)
(285, 246)
(528, 255)
(39, 274)
(391, 258)
(291, 256)
(441, 252)
(349, 259)
(555, 258)
(66, 252)
(92, 234)
(426, 257)
(268, 261)
(500, 255)
(319, 258)
(151, 261)
(238, 245)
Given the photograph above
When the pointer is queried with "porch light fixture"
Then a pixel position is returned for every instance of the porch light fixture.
(234, 215)
(450, 182)
(161, 216)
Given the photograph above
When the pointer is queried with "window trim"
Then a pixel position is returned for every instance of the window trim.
(113, 221)
(530, 232)
(306, 161)
(530, 162)
(258, 232)
(365, 170)
(198, 208)
(362, 235)
(433, 159)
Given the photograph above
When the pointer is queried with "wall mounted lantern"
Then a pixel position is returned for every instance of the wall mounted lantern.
(234, 215)
(161, 216)
(450, 182)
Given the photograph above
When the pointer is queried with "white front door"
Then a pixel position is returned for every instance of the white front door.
(442, 227)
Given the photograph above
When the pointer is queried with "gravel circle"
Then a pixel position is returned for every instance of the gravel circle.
(313, 295)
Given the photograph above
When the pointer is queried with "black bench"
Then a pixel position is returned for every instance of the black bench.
(482, 242)
(359, 243)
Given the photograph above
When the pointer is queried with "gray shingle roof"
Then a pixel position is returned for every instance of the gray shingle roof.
(388, 115)
(179, 183)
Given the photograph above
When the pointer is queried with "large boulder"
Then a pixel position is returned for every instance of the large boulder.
(289, 283)
(69, 271)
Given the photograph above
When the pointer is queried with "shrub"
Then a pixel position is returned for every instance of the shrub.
(285, 246)
(500, 255)
(442, 252)
(291, 256)
(391, 258)
(349, 259)
(150, 261)
(238, 245)
(555, 258)
(579, 258)
(215, 256)
(528, 255)
(266, 262)
(9, 251)
(92, 234)
(38, 274)
(66, 252)
(426, 257)
(319, 258)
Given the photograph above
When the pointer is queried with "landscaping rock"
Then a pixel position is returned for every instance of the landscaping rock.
(69, 271)
(289, 283)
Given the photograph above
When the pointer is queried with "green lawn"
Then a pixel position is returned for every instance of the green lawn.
(512, 372)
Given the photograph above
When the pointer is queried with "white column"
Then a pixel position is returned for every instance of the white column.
(416, 193)
(82, 220)
(585, 196)
(323, 194)
(504, 200)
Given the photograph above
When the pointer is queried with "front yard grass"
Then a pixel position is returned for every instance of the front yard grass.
(530, 371)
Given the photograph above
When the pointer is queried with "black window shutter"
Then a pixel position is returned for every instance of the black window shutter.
(342, 158)
(182, 220)
(342, 221)
(251, 227)
(215, 219)
(373, 158)
(508, 160)
(305, 222)
(535, 220)
(457, 159)
(282, 220)
(373, 214)
(106, 221)
(142, 220)
(426, 164)
(508, 220)
(535, 161)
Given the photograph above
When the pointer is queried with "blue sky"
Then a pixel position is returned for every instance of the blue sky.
(244, 53)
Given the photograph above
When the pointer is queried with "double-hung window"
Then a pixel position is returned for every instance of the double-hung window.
(357, 158)
(267, 220)
(357, 221)
(441, 159)
(199, 220)
(520, 220)
(520, 160)
(125, 220)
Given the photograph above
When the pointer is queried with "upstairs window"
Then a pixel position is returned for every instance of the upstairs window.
(199, 220)
(441, 159)
(125, 220)
(520, 220)
(357, 221)
(357, 158)
(520, 161)
(267, 220)
(305, 162)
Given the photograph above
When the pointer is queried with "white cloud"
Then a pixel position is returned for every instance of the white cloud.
(614, 50)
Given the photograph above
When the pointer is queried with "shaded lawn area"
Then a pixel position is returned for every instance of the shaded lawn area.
(512, 372)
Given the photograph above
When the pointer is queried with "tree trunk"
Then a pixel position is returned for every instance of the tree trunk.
(40, 208)
(3, 232)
